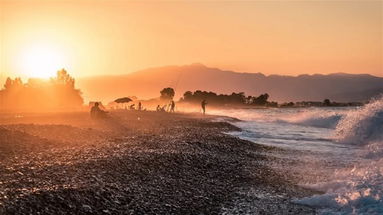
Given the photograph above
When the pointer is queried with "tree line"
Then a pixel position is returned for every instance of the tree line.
(36, 94)
(224, 99)
(241, 99)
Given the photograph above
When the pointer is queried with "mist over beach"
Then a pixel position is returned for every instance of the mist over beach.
(191, 107)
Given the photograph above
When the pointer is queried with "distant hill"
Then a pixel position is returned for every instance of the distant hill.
(147, 84)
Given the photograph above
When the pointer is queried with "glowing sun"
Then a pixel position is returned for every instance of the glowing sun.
(42, 61)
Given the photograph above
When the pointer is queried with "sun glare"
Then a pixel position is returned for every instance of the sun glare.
(42, 62)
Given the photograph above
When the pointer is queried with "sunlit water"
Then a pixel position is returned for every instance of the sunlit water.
(350, 140)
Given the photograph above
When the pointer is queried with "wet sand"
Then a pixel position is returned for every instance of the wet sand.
(137, 163)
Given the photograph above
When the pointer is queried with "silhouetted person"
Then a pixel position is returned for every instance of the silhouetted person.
(158, 108)
(139, 106)
(96, 112)
(172, 106)
(203, 105)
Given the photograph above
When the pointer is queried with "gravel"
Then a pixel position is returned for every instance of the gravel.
(137, 163)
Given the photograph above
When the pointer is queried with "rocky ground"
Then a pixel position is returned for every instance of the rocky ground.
(136, 163)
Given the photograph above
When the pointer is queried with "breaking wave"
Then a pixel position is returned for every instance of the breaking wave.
(358, 132)
(316, 118)
(362, 126)
(356, 190)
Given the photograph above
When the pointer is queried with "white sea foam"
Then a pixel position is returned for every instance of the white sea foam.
(357, 190)
(316, 117)
(362, 126)
(351, 137)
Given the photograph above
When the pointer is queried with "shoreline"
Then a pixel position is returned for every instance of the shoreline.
(137, 162)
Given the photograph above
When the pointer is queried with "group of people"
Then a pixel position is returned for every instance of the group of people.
(132, 106)
(171, 107)
(168, 107)
(96, 112)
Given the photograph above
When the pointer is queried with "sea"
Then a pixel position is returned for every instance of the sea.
(337, 150)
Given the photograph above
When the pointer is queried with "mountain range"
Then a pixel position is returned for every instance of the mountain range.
(147, 83)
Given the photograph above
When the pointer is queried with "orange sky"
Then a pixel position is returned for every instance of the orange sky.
(114, 37)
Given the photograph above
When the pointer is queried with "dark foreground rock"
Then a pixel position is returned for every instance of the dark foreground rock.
(136, 163)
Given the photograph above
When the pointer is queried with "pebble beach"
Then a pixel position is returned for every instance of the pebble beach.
(137, 162)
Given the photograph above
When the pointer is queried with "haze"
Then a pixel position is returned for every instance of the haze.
(118, 37)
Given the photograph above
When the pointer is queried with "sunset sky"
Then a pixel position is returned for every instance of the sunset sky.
(117, 37)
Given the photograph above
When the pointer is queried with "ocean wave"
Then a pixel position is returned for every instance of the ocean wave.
(362, 126)
(314, 117)
(351, 191)
(354, 190)
(317, 118)
(357, 190)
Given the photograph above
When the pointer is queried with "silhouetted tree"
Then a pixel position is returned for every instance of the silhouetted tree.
(8, 84)
(222, 99)
(249, 99)
(64, 78)
(38, 94)
(261, 100)
(272, 104)
(289, 104)
(167, 93)
(326, 102)
(13, 84)
(188, 95)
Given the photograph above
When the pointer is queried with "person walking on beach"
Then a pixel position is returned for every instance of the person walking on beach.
(172, 106)
(203, 105)
(139, 106)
